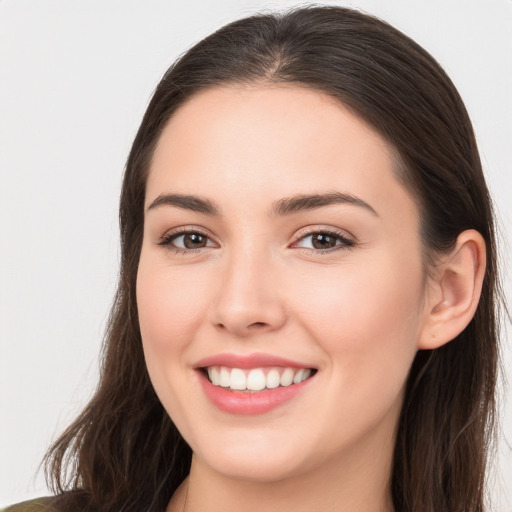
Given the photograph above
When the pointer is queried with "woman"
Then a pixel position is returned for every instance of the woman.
(306, 312)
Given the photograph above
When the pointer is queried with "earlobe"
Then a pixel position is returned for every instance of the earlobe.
(455, 291)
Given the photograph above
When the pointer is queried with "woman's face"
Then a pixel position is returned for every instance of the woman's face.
(278, 239)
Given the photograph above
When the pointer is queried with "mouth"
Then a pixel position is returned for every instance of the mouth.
(255, 380)
(252, 384)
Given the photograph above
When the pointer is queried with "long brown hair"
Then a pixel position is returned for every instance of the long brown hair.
(123, 453)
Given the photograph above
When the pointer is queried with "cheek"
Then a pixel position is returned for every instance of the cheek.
(170, 312)
(367, 319)
(355, 301)
(168, 304)
(366, 322)
(169, 315)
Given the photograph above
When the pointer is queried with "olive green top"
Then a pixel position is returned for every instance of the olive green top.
(37, 505)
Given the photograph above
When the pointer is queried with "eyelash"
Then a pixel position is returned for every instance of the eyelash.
(168, 238)
(345, 242)
(339, 236)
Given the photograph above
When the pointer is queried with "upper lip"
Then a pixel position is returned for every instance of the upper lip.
(247, 361)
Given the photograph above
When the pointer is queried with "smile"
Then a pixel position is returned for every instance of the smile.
(256, 379)
(249, 384)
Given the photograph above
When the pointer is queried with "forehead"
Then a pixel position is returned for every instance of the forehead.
(269, 142)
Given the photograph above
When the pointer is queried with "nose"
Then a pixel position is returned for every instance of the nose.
(248, 299)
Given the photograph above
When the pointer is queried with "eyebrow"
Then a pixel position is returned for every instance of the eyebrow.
(186, 202)
(285, 206)
(300, 203)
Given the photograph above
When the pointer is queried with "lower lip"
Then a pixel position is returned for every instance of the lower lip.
(259, 402)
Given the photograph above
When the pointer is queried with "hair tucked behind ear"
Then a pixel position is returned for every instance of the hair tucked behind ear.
(123, 453)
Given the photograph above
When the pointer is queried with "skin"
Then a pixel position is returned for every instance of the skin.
(357, 312)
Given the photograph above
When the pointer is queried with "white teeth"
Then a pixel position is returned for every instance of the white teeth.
(214, 375)
(273, 379)
(256, 379)
(238, 379)
(298, 377)
(224, 378)
(287, 377)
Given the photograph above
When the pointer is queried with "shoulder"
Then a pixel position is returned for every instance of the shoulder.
(37, 505)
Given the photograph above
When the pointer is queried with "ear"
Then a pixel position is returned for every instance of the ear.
(454, 291)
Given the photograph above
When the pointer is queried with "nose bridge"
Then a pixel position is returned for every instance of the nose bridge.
(247, 296)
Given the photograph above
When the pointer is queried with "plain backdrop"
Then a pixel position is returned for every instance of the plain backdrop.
(75, 78)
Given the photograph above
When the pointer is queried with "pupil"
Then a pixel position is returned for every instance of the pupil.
(323, 241)
(193, 241)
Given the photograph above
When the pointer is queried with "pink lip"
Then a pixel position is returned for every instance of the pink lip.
(242, 403)
(248, 361)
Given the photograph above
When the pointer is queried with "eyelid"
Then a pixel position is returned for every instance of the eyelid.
(168, 236)
(348, 240)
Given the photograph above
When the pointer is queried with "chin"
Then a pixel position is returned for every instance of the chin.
(254, 458)
(257, 469)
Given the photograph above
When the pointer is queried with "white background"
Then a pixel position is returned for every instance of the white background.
(76, 76)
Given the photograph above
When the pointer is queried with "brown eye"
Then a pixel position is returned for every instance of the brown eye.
(194, 240)
(188, 240)
(323, 241)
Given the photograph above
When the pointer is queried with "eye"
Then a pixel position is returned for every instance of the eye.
(324, 241)
(186, 240)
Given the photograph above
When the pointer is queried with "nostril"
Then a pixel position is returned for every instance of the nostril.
(258, 324)
(247, 328)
